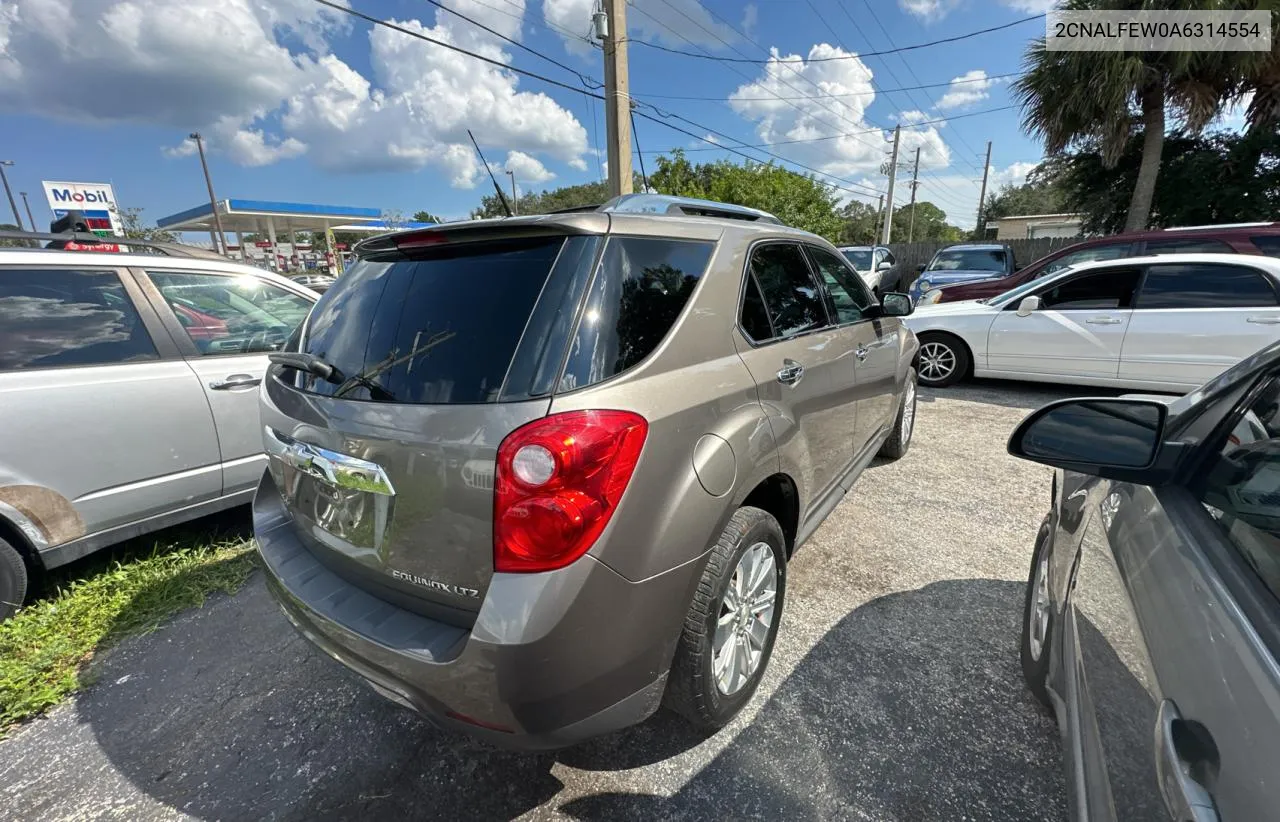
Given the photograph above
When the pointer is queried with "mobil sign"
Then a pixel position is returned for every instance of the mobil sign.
(95, 200)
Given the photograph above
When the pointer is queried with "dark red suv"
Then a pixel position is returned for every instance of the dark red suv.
(1244, 238)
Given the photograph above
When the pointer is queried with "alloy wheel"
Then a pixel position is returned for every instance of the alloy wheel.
(937, 361)
(1040, 610)
(908, 410)
(746, 616)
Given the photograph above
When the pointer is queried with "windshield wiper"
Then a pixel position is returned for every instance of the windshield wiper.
(309, 363)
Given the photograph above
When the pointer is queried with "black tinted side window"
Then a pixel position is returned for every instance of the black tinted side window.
(1269, 244)
(1110, 288)
(640, 290)
(755, 319)
(790, 293)
(51, 318)
(1203, 285)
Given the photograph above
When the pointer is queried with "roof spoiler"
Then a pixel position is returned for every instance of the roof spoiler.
(687, 206)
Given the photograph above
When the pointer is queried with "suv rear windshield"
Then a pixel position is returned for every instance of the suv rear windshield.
(439, 326)
(969, 259)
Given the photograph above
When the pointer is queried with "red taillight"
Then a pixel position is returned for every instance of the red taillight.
(421, 239)
(558, 481)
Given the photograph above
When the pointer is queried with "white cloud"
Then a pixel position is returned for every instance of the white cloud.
(930, 11)
(750, 18)
(258, 80)
(674, 22)
(970, 87)
(528, 171)
(1031, 6)
(853, 148)
(910, 118)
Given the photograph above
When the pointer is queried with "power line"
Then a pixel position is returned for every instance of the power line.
(525, 72)
(873, 92)
(867, 131)
(897, 50)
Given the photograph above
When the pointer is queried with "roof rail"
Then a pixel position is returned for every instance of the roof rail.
(687, 206)
(82, 238)
(1220, 225)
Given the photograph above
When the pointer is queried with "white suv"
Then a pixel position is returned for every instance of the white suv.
(128, 395)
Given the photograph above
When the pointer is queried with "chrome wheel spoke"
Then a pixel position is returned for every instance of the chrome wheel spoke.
(765, 598)
(757, 634)
(745, 618)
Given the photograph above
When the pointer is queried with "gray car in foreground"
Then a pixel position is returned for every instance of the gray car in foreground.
(1152, 623)
(534, 477)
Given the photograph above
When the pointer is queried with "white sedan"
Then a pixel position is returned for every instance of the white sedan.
(1166, 323)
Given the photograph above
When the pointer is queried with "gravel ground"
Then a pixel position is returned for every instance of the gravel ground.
(894, 691)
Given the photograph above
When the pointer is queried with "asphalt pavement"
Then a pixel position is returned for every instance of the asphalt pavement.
(894, 692)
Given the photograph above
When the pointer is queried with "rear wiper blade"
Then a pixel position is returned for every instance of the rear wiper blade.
(309, 363)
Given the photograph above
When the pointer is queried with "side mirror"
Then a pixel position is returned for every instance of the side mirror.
(920, 268)
(896, 304)
(1028, 305)
(1115, 438)
(885, 265)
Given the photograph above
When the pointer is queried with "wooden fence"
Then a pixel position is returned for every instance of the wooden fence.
(911, 256)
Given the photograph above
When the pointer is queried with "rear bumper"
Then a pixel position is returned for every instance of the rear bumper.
(552, 659)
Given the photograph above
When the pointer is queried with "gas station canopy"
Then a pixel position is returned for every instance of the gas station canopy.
(269, 217)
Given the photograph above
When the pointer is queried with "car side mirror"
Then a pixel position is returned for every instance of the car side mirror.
(1114, 438)
(885, 265)
(920, 268)
(1028, 305)
(896, 304)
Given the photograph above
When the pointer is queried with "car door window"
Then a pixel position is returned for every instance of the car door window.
(1189, 245)
(58, 317)
(791, 296)
(1110, 288)
(1205, 285)
(846, 291)
(231, 315)
(1269, 244)
(755, 318)
(889, 258)
(1086, 255)
(1241, 492)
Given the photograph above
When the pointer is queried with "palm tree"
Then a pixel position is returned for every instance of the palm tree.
(1098, 98)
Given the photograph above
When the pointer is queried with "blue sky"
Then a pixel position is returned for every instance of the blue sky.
(298, 102)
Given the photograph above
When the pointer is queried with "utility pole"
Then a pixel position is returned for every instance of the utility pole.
(617, 104)
(980, 230)
(17, 220)
(915, 183)
(27, 203)
(893, 176)
(512, 175)
(879, 219)
(213, 201)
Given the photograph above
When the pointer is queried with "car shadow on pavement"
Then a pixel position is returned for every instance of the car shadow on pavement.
(911, 707)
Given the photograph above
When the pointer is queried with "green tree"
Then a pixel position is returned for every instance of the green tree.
(1038, 195)
(930, 224)
(796, 199)
(860, 220)
(1102, 99)
(425, 217)
(12, 243)
(544, 202)
(131, 223)
(1215, 178)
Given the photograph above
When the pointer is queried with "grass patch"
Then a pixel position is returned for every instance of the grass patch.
(44, 647)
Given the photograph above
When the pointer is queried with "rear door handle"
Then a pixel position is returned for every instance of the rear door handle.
(1104, 321)
(235, 381)
(1181, 749)
(790, 373)
(861, 352)
(1263, 320)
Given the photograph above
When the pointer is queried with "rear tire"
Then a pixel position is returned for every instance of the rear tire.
(1038, 621)
(13, 580)
(904, 426)
(943, 360)
(696, 687)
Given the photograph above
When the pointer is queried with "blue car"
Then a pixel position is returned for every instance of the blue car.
(964, 263)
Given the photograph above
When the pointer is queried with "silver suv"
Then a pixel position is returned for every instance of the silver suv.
(534, 477)
(128, 396)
